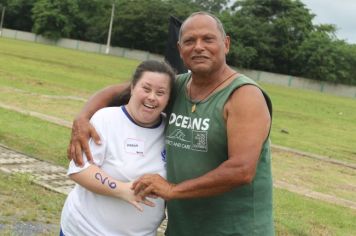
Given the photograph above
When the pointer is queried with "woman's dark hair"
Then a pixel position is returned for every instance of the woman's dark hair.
(151, 66)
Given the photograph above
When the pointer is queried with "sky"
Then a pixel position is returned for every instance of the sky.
(341, 13)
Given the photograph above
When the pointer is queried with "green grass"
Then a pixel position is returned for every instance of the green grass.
(294, 214)
(35, 137)
(297, 215)
(22, 201)
(58, 71)
(311, 174)
(316, 123)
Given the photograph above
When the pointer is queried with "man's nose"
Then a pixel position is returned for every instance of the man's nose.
(199, 45)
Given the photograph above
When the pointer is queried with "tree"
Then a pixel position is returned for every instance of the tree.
(92, 20)
(141, 26)
(54, 18)
(323, 57)
(18, 14)
(214, 6)
(274, 28)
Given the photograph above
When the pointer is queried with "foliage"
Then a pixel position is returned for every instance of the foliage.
(18, 14)
(54, 18)
(274, 28)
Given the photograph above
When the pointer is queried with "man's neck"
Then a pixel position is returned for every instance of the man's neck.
(201, 86)
(200, 80)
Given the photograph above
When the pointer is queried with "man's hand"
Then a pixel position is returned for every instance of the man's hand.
(126, 193)
(150, 185)
(82, 131)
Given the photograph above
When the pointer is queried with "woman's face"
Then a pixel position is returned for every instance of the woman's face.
(149, 97)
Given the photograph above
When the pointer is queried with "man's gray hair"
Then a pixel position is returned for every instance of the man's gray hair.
(218, 23)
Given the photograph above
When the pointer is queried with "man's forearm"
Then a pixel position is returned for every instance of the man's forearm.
(218, 181)
(100, 100)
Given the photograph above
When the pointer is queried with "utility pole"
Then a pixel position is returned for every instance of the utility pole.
(2, 19)
(110, 29)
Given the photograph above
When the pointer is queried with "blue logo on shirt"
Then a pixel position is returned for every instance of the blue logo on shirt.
(163, 154)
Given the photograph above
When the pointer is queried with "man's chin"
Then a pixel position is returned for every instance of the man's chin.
(200, 69)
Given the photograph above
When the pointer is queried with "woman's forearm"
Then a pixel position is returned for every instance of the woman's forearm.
(96, 180)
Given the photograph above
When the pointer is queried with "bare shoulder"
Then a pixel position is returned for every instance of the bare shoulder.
(246, 100)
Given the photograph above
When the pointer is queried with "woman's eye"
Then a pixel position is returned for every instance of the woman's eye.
(160, 93)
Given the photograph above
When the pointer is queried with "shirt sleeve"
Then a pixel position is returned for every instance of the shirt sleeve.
(98, 151)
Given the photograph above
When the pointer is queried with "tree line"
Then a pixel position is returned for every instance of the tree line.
(270, 35)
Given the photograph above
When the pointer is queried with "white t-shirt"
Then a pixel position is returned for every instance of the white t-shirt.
(127, 152)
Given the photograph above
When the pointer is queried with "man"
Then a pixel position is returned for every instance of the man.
(219, 179)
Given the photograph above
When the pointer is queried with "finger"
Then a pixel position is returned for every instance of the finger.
(78, 159)
(68, 150)
(139, 188)
(87, 152)
(148, 202)
(134, 184)
(72, 152)
(147, 192)
(152, 195)
(94, 134)
(137, 205)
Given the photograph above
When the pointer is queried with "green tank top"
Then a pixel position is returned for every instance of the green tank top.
(196, 143)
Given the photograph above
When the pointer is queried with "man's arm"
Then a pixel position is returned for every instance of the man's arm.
(82, 130)
(96, 180)
(247, 123)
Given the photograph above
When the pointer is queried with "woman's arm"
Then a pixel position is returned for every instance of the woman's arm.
(96, 180)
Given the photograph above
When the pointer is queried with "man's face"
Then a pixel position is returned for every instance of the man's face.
(202, 46)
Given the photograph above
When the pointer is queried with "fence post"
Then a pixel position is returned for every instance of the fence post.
(322, 87)
(290, 80)
(258, 76)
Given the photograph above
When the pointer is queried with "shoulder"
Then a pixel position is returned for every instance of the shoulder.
(105, 114)
(247, 99)
(181, 78)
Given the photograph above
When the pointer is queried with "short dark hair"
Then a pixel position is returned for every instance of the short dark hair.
(145, 66)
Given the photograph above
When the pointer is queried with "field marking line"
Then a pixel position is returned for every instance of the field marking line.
(59, 97)
(41, 116)
(315, 195)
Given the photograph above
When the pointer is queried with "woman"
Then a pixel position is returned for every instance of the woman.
(132, 136)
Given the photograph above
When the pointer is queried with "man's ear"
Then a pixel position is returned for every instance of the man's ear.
(227, 44)
(179, 49)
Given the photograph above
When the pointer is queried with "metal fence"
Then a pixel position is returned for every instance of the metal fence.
(259, 76)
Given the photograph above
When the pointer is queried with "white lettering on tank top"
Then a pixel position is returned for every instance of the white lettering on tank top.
(187, 122)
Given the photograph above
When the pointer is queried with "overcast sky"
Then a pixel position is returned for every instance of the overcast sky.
(341, 13)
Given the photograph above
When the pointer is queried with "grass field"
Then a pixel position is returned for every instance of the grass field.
(57, 81)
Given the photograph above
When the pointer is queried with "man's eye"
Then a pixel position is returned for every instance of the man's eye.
(188, 41)
(209, 40)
